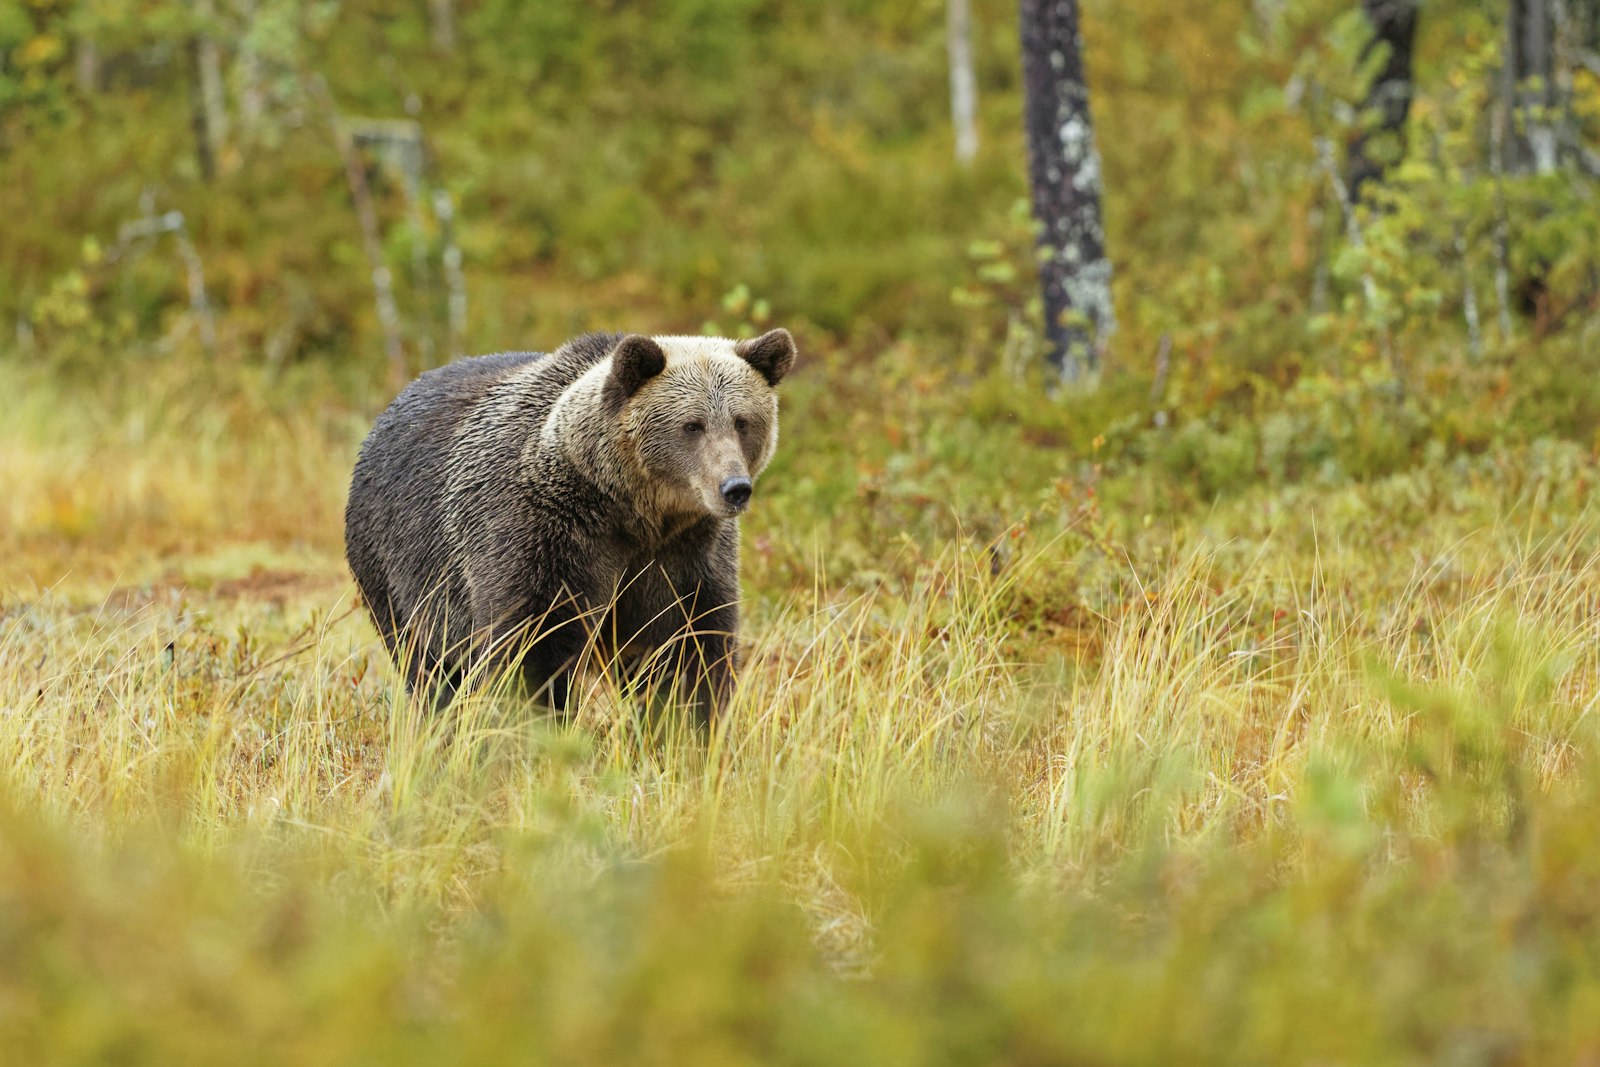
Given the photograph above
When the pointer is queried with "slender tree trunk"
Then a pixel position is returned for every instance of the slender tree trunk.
(1266, 14)
(204, 152)
(250, 84)
(371, 237)
(963, 82)
(1381, 142)
(1064, 171)
(1586, 32)
(213, 96)
(455, 278)
(1530, 58)
(1347, 211)
(372, 243)
(1499, 119)
(87, 66)
(1577, 47)
(443, 15)
(1547, 42)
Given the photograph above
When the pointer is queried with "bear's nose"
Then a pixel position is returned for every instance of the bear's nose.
(736, 491)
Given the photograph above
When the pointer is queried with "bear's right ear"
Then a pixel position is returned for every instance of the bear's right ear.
(634, 361)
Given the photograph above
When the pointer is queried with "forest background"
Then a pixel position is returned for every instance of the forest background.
(1231, 704)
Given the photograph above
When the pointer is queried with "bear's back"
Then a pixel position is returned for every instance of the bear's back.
(402, 462)
(397, 522)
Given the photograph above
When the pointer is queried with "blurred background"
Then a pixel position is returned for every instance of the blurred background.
(1217, 687)
(221, 181)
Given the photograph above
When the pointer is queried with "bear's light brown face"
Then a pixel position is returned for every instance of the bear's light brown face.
(700, 415)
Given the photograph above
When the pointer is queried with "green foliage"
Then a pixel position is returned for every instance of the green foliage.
(634, 169)
(640, 164)
(1238, 712)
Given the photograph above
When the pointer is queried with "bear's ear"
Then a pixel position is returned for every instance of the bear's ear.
(634, 361)
(772, 354)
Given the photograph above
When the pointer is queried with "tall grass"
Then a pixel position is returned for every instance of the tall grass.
(1297, 778)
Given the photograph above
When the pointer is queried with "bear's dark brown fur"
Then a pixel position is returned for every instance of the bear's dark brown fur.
(512, 508)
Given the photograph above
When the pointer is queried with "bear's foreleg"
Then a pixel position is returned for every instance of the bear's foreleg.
(541, 646)
(532, 624)
(682, 619)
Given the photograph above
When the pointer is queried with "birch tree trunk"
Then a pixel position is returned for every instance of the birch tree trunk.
(371, 236)
(443, 17)
(963, 82)
(250, 72)
(1064, 171)
(213, 96)
(1381, 142)
(86, 66)
(1530, 59)
(204, 146)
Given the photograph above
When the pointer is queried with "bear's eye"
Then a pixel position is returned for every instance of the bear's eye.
(741, 424)
(694, 427)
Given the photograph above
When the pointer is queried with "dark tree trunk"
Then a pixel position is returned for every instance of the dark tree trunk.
(1064, 170)
(1534, 144)
(1381, 142)
(1586, 29)
(204, 150)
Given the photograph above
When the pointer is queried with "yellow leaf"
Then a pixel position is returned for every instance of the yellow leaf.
(41, 51)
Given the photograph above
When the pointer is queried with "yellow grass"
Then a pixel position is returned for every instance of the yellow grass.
(1297, 705)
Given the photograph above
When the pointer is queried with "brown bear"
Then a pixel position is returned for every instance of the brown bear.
(518, 509)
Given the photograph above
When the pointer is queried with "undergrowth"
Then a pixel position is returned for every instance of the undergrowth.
(1296, 773)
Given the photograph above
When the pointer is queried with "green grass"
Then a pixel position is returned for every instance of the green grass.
(1299, 776)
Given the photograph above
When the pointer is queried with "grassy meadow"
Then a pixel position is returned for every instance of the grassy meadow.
(1295, 775)
(1237, 710)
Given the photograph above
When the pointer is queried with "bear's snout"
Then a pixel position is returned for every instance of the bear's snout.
(736, 491)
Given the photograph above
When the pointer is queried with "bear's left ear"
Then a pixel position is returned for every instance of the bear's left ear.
(634, 361)
(772, 354)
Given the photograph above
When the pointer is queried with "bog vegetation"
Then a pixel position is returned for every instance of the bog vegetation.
(1238, 710)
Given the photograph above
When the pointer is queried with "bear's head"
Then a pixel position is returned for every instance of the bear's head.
(698, 415)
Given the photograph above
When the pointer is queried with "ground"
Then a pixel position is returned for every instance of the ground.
(1016, 773)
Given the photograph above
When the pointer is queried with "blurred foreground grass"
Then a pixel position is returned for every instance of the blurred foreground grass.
(1300, 776)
